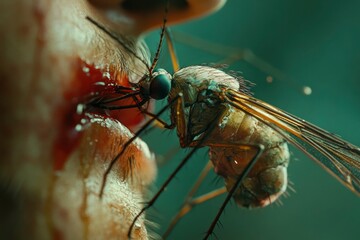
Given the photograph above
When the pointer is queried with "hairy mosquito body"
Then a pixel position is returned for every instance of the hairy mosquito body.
(247, 137)
(201, 88)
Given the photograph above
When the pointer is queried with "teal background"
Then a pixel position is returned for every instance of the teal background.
(316, 43)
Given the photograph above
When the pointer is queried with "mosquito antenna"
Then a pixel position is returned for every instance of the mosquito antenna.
(157, 54)
(116, 38)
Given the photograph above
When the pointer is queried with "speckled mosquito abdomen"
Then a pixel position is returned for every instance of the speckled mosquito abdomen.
(201, 87)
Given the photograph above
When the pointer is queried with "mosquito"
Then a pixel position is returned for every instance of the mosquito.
(248, 138)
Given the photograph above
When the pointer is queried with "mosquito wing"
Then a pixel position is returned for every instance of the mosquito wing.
(338, 157)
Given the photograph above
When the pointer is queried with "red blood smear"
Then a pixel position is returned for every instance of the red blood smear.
(88, 81)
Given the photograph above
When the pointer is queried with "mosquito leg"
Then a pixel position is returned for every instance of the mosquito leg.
(198, 182)
(190, 201)
(173, 174)
(260, 149)
(122, 97)
(186, 205)
(158, 121)
(117, 107)
(162, 188)
(137, 134)
(190, 205)
(172, 51)
(233, 54)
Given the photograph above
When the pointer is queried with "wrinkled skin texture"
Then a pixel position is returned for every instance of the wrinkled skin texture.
(41, 43)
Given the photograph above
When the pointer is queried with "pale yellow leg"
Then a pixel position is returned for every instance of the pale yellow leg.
(233, 54)
(173, 56)
(190, 201)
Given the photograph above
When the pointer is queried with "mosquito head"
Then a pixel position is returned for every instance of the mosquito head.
(159, 85)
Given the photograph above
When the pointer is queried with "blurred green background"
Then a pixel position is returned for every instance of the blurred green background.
(315, 43)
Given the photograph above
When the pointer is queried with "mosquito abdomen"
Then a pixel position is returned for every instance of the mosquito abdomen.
(234, 140)
(268, 178)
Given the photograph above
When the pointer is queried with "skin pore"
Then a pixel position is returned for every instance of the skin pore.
(54, 153)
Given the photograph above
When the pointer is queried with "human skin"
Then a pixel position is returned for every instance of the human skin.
(51, 170)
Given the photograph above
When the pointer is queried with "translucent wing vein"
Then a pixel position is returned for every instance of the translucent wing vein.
(340, 158)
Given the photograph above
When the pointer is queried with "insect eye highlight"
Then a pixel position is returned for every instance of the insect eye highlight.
(160, 85)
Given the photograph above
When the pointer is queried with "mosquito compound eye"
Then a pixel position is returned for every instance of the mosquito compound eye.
(160, 85)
